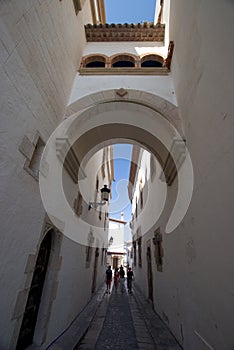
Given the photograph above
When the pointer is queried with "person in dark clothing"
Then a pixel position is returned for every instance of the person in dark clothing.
(122, 279)
(129, 279)
(108, 279)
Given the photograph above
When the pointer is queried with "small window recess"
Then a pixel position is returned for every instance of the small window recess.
(78, 207)
(134, 253)
(157, 241)
(139, 243)
(32, 164)
(123, 61)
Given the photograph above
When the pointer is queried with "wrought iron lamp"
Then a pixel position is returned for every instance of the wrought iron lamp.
(105, 192)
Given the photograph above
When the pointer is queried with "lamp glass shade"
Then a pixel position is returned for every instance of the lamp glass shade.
(105, 191)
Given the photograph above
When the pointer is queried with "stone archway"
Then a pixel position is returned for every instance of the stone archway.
(102, 118)
(138, 97)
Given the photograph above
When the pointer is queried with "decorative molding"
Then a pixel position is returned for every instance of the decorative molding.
(121, 92)
(108, 61)
(124, 71)
(20, 303)
(151, 56)
(174, 161)
(26, 147)
(67, 156)
(147, 31)
(32, 151)
(93, 57)
(167, 62)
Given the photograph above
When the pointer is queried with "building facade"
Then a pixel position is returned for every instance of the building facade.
(116, 253)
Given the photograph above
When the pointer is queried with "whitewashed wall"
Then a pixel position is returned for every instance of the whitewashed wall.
(162, 86)
(41, 46)
(116, 231)
(74, 271)
(159, 85)
(204, 89)
(194, 293)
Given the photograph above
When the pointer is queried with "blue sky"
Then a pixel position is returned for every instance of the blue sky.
(125, 11)
(120, 200)
(130, 11)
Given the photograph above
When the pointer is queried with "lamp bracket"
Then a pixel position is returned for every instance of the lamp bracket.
(95, 205)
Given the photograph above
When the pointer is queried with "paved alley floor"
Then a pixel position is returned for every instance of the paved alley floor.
(126, 322)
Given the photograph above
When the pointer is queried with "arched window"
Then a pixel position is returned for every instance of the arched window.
(152, 61)
(94, 61)
(95, 64)
(123, 61)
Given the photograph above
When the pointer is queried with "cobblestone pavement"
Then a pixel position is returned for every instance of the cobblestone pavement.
(127, 322)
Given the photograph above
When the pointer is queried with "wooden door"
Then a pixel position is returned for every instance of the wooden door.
(149, 274)
(34, 296)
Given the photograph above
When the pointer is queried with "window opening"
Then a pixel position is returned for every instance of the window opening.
(139, 241)
(151, 63)
(95, 64)
(34, 164)
(122, 64)
(157, 240)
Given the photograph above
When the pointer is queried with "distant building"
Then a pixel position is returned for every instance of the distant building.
(116, 253)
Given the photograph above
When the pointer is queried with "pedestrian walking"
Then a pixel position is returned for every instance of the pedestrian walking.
(116, 278)
(122, 278)
(129, 280)
(108, 279)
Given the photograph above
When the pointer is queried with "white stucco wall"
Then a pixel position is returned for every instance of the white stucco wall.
(205, 98)
(135, 48)
(194, 294)
(116, 231)
(160, 85)
(41, 46)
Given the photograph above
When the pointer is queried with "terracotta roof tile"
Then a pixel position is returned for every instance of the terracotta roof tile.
(147, 31)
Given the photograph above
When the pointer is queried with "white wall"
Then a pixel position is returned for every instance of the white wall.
(205, 97)
(135, 48)
(194, 293)
(41, 46)
(162, 86)
(116, 231)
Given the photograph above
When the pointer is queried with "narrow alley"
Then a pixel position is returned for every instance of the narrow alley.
(121, 321)
(117, 124)
(127, 321)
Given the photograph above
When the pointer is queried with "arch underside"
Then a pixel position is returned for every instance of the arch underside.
(163, 114)
(100, 119)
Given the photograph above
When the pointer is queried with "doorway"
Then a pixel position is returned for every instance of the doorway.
(34, 296)
(149, 274)
(95, 270)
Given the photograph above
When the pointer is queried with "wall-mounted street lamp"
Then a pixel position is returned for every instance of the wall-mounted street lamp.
(105, 192)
